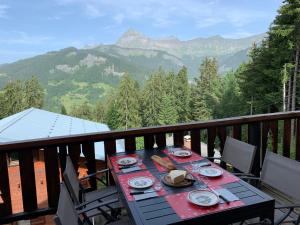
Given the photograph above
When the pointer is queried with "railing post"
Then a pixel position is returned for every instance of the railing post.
(178, 139)
(264, 138)
(88, 150)
(274, 131)
(298, 139)
(287, 138)
(130, 145)
(196, 141)
(149, 141)
(62, 158)
(109, 148)
(52, 175)
(211, 136)
(161, 140)
(254, 135)
(5, 207)
(28, 180)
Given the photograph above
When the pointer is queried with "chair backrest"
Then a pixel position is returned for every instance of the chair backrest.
(282, 174)
(239, 154)
(66, 213)
(71, 181)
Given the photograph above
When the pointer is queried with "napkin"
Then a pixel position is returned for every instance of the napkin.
(131, 169)
(226, 194)
(146, 195)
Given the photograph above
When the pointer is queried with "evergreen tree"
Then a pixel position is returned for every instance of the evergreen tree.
(154, 90)
(112, 115)
(99, 112)
(83, 111)
(12, 100)
(63, 110)
(33, 93)
(225, 99)
(168, 113)
(182, 95)
(128, 103)
(201, 91)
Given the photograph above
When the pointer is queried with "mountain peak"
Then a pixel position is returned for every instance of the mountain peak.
(130, 36)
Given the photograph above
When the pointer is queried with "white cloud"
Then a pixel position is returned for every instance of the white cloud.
(20, 37)
(119, 18)
(3, 10)
(238, 34)
(54, 18)
(200, 13)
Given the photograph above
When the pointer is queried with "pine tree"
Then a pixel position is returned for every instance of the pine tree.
(33, 93)
(128, 103)
(182, 95)
(83, 111)
(63, 110)
(168, 113)
(201, 91)
(152, 94)
(112, 115)
(12, 101)
(99, 112)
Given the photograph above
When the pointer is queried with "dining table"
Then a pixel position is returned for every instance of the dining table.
(165, 204)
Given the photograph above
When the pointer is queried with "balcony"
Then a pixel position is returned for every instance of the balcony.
(267, 131)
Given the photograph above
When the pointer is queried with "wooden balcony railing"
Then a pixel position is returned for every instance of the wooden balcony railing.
(259, 130)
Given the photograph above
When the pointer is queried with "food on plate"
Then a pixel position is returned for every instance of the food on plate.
(177, 176)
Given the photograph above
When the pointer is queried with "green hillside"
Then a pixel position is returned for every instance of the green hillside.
(72, 75)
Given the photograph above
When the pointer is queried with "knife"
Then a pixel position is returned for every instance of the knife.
(141, 192)
(125, 167)
(221, 196)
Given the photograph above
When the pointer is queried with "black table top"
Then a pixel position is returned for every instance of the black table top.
(156, 211)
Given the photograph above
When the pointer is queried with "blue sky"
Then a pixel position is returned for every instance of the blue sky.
(31, 27)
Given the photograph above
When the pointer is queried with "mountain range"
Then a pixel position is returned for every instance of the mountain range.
(73, 75)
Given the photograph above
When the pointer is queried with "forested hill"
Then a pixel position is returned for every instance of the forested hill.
(75, 75)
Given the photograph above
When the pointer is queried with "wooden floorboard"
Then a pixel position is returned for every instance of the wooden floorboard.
(280, 199)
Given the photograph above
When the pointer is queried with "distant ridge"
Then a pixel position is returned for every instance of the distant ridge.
(72, 75)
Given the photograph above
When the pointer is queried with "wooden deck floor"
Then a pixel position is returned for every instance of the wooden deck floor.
(280, 199)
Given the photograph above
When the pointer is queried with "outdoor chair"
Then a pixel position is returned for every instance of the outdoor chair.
(68, 214)
(92, 198)
(239, 155)
(283, 175)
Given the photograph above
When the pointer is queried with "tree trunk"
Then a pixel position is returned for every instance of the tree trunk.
(294, 89)
(289, 95)
(295, 77)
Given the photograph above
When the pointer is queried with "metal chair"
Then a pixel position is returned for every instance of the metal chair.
(81, 197)
(238, 154)
(68, 214)
(282, 174)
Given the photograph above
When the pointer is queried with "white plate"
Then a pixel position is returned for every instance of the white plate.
(140, 182)
(211, 172)
(127, 161)
(182, 153)
(203, 198)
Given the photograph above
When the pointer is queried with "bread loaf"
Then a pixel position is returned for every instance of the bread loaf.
(177, 176)
(165, 163)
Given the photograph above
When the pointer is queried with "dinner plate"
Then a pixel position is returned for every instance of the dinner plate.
(126, 161)
(140, 182)
(182, 153)
(203, 198)
(210, 172)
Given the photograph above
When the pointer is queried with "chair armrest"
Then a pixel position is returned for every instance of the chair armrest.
(243, 174)
(93, 174)
(101, 204)
(250, 178)
(211, 157)
(287, 206)
(95, 200)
